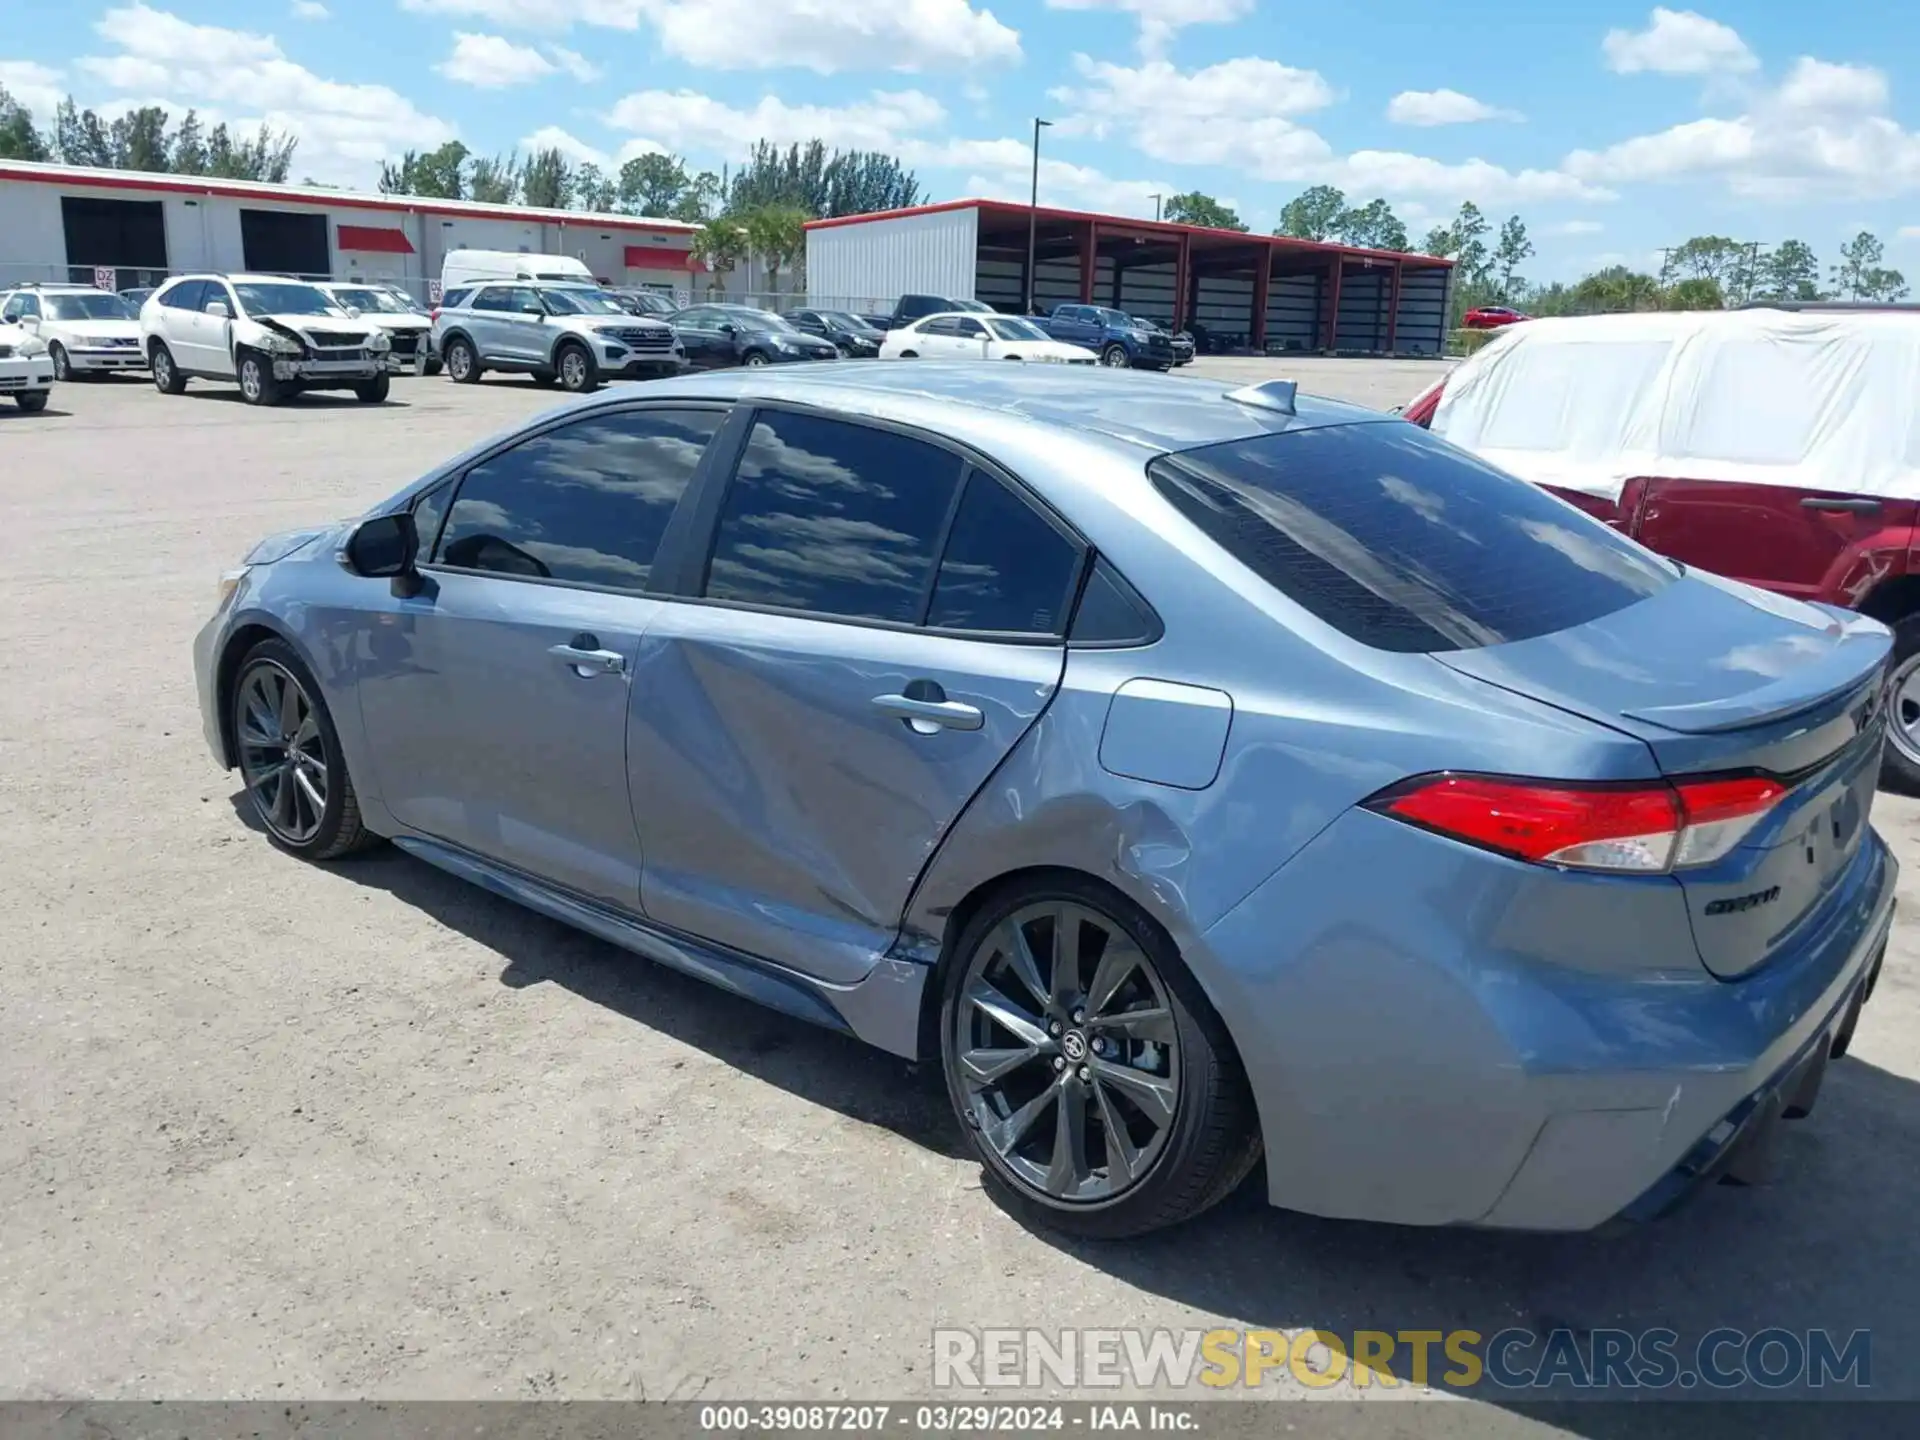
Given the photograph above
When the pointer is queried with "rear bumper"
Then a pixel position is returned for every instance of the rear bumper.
(1435, 1036)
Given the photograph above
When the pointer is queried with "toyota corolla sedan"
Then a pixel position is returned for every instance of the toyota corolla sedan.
(1192, 773)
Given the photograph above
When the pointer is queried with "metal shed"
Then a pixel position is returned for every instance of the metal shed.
(1235, 291)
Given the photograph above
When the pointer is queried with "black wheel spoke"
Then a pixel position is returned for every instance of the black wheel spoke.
(1152, 1094)
(1066, 957)
(1067, 1170)
(1154, 1023)
(1012, 941)
(1117, 962)
(1028, 1029)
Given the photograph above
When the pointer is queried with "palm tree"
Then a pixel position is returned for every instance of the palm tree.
(778, 235)
(720, 245)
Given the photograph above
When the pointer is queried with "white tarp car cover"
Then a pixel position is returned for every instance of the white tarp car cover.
(1810, 399)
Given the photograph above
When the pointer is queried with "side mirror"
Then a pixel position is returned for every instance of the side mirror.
(385, 547)
(353, 312)
(219, 307)
(727, 327)
(533, 310)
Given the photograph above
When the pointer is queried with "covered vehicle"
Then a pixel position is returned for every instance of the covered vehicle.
(973, 336)
(1780, 448)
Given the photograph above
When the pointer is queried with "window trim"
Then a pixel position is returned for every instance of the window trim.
(455, 480)
(748, 415)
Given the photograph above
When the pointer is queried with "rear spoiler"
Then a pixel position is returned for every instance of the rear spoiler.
(1861, 654)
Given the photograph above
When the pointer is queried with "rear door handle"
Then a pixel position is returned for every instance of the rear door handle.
(929, 716)
(585, 658)
(1840, 505)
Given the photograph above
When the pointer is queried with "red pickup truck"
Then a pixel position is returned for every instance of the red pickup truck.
(1782, 449)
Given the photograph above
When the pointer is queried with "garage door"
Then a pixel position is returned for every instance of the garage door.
(129, 235)
(279, 242)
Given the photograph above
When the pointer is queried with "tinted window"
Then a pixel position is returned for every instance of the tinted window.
(945, 325)
(585, 503)
(213, 291)
(834, 518)
(493, 297)
(14, 308)
(970, 329)
(1404, 542)
(455, 298)
(428, 511)
(1005, 568)
(184, 296)
(1111, 612)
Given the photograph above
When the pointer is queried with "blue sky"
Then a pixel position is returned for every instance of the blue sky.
(1611, 128)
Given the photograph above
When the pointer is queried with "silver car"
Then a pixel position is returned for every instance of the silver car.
(1192, 772)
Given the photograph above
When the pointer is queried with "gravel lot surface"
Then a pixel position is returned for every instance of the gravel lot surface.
(274, 1130)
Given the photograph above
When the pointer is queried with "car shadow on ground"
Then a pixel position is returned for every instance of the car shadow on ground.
(11, 411)
(318, 399)
(1829, 1244)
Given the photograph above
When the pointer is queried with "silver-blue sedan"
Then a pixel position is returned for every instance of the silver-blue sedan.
(1192, 771)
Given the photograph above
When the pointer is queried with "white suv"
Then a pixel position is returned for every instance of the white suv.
(86, 331)
(271, 335)
(395, 312)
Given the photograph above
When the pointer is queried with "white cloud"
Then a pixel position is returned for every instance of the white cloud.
(309, 10)
(685, 120)
(1678, 42)
(825, 36)
(552, 137)
(35, 86)
(1242, 113)
(829, 36)
(1443, 107)
(1573, 227)
(1161, 20)
(492, 63)
(575, 64)
(1823, 132)
(344, 130)
(1910, 232)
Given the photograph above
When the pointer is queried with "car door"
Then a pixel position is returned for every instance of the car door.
(969, 338)
(212, 341)
(700, 337)
(487, 321)
(525, 333)
(875, 626)
(496, 702)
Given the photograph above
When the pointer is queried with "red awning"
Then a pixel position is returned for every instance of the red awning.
(662, 257)
(375, 238)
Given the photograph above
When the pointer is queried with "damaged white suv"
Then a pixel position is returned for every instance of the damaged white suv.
(272, 336)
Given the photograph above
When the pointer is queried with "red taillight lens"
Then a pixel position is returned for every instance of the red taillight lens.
(1646, 829)
(436, 313)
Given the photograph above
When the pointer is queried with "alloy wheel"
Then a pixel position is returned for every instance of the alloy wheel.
(1115, 358)
(251, 381)
(459, 361)
(162, 368)
(1903, 708)
(573, 370)
(62, 367)
(1066, 1053)
(756, 358)
(283, 754)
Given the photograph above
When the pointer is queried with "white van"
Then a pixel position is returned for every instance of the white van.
(474, 267)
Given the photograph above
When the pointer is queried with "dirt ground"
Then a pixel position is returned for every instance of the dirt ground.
(275, 1130)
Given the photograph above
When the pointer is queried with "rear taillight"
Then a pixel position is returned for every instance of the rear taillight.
(1644, 829)
(436, 313)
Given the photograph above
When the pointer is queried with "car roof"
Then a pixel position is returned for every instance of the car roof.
(970, 401)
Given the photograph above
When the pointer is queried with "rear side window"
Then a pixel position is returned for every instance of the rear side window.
(585, 503)
(1005, 569)
(453, 299)
(833, 518)
(1404, 542)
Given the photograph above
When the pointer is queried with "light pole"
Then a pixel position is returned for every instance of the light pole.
(1156, 209)
(1033, 208)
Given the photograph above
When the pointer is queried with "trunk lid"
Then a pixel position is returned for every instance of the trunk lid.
(1718, 677)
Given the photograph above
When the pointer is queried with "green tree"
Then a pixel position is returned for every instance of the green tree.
(438, 174)
(139, 140)
(1313, 214)
(80, 138)
(1196, 208)
(20, 139)
(1468, 233)
(860, 182)
(720, 244)
(700, 201)
(1695, 292)
(546, 183)
(652, 185)
(1373, 226)
(494, 181)
(1859, 275)
(1791, 272)
(1707, 257)
(777, 234)
(267, 156)
(1509, 255)
(593, 190)
(189, 154)
(808, 178)
(1616, 288)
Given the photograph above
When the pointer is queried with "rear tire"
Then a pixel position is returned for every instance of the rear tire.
(62, 366)
(1013, 1107)
(463, 365)
(167, 378)
(429, 368)
(1900, 767)
(32, 401)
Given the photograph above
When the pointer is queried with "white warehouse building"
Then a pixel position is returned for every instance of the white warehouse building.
(69, 223)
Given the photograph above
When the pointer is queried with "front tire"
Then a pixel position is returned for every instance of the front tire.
(290, 758)
(1093, 1080)
(463, 366)
(755, 358)
(578, 374)
(1900, 766)
(32, 401)
(257, 385)
(62, 365)
(1114, 357)
(167, 378)
(374, 391)
(429, 368)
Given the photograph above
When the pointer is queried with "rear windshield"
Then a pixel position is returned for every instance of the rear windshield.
(1403, 542)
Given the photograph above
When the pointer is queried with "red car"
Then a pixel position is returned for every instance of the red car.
(1776, 448)
(1491, 317)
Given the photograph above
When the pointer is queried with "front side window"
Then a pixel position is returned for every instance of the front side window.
(585, 503)
(1016, 330)
(15, 308)
(833, 518)
(493, 297)
(969, 329)
(185, 296)
(1006, 568)
(1404, 542)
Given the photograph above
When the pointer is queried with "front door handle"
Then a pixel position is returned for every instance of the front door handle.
(1840, 505)
(929, 717)
(585, 658)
